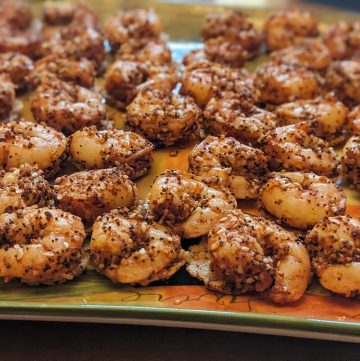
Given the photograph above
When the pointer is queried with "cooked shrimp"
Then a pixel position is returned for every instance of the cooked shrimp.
(232, 115)
(343, 77)
(18, 67)
(281, 83)
(30, 143)
(66, 107)
(163, 117)
(203, 81)
(351, 161)
(70, 14)
(15, 13)
(128, 248)
(343, 39)
(80, 72)
(353, 121)
(311, 53)
(89, 194)
(25, 41)
(41, 246)
(334, 245)
(227, 163)
(327, 114)
(125, 79)
(287, 27)
(294, 148)
(248, 253)
(301, 200)
(153, 53)
(185, 203)
(233, 28)
(9, 106)
(22, 187)
(197, 57)
(137, 25)
(77, 42)
(93, 149)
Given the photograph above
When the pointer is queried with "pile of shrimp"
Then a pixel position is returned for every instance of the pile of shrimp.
(260, 196)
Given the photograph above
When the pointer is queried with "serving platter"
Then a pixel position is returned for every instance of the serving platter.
(182, 301)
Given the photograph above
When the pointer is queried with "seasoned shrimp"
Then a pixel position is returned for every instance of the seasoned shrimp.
(77, 42)
(327, 114)
(227, 163)
(163, 117)
(80, 72)
(301, 200)
(312, 53)
(22, 187)
(18, 67)
(125, 79)
(153, 53)
(30, 143)
(89, 194)
(71, 15)
(186, 204)
(203, 81)
(41, 246)
(351, 161)
(15, 13)
(232, 115)
(66, 107)
(235, 30)
(343, 39)
(127, 248)
(287, 27)
(353, 121)
(282, 83)
(294, 148)
(334, 245)
(93, 149)
(343, 77)
(137, 25)
(10, 108)
(247, 253)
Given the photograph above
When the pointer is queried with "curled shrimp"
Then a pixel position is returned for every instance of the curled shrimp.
(343, 39)
(80, 72)
(353, 121)
(125, 79)
(95, 149)
(22, 187)
(227, 163)
(10, 107)
(15, 13)
(128, 248)
(295, 148)
(77, 42)
(18, 67)
(137, 25)
(350, 161)
(343, 77)
(186, 204)
(312, 53)
(30, 143)
(286, 27)
(66, 107)
(301, 200)
(155, 52)
(282, 83)
(247, 253)
(233, 31)
(41, 246)
(163, 117)
(327, 115)
(203, 81)
(231, 114)
(334, 245)
(91, 193)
